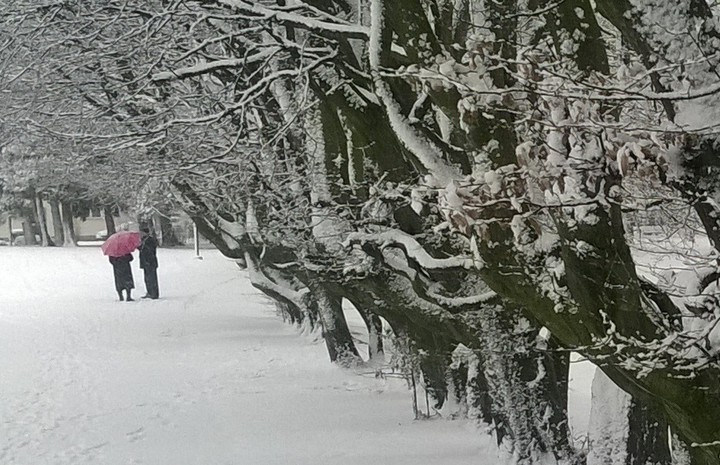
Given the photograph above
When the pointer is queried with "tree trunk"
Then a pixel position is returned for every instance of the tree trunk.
(288, 313)
(470, 385)
(553, 391)
(479, 400)
(622, 430)
(338, 340)
(10, 229)
(529, 387)
(68, 226)
(434, 366)
(165, 231)
(42, 221)
(58, 232)
(109, 221)
(689, 404)
(648, 436)
(28, 230)
(373, 323)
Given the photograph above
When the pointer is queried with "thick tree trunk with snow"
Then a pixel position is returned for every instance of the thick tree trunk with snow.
(522, 391)
(338, 340)
(471, 387)
(553, 371)
(479, 397)
(690, 404)
(528, 386)
(68, 224)
(391, 296)
(623, 431)
(648, 440)
(58, 232)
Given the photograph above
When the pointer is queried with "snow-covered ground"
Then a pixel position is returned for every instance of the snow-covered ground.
(208, 375)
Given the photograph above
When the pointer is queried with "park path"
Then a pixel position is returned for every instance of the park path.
(208, 375)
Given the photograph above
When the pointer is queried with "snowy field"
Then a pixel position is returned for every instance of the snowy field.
(208, 375)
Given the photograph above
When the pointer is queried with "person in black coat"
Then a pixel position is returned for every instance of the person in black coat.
(149, 264)
(123, 276)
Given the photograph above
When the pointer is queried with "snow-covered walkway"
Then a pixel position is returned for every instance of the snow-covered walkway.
(208, 375)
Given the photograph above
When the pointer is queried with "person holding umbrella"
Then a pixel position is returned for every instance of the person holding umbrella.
(118, 248)
(149, 264)
(123, 276)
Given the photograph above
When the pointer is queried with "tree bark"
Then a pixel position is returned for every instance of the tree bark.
(529, 387)
(373, 323)
(39, 210)
(338, 340)
(479, 399)
(165, 230)
(28, 230)
(58, 232)
(10, 229)
(622, 430)
(690, 404)
(471, 386)
(68, 225)
(648, 440)
(109, 220)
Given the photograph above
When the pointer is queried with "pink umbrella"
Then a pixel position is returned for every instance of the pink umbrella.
(121, 243)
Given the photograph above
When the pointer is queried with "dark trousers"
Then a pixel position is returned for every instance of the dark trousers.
(151, 283)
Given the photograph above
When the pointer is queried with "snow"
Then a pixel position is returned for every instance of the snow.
(582, 373)
(208, 374)
(609, 422)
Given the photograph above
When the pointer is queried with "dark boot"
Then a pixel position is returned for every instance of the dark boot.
(129, 297)
(120, 295)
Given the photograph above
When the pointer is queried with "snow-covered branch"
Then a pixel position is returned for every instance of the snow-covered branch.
(261, 281)
(429, 155)
(209, 67)
(321, 27)
(455, 302)
(411, 247)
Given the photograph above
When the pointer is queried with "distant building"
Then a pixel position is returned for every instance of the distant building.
(91, 228)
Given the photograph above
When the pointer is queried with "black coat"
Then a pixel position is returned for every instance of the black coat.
(148, 253)
(122, 272)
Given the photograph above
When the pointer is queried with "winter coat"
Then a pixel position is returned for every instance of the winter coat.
(148, 252)
(123, 272)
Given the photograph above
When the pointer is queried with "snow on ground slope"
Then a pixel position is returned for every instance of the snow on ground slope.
(208, 375)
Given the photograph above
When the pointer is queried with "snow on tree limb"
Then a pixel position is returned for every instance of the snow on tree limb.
(325, 28)
(205, 68)
(427, 153)
(215, 65)
(472, 300)
(412, 249)
(232, 232)
(259, 279)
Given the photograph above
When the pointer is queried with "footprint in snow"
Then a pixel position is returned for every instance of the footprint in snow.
(136, 435)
